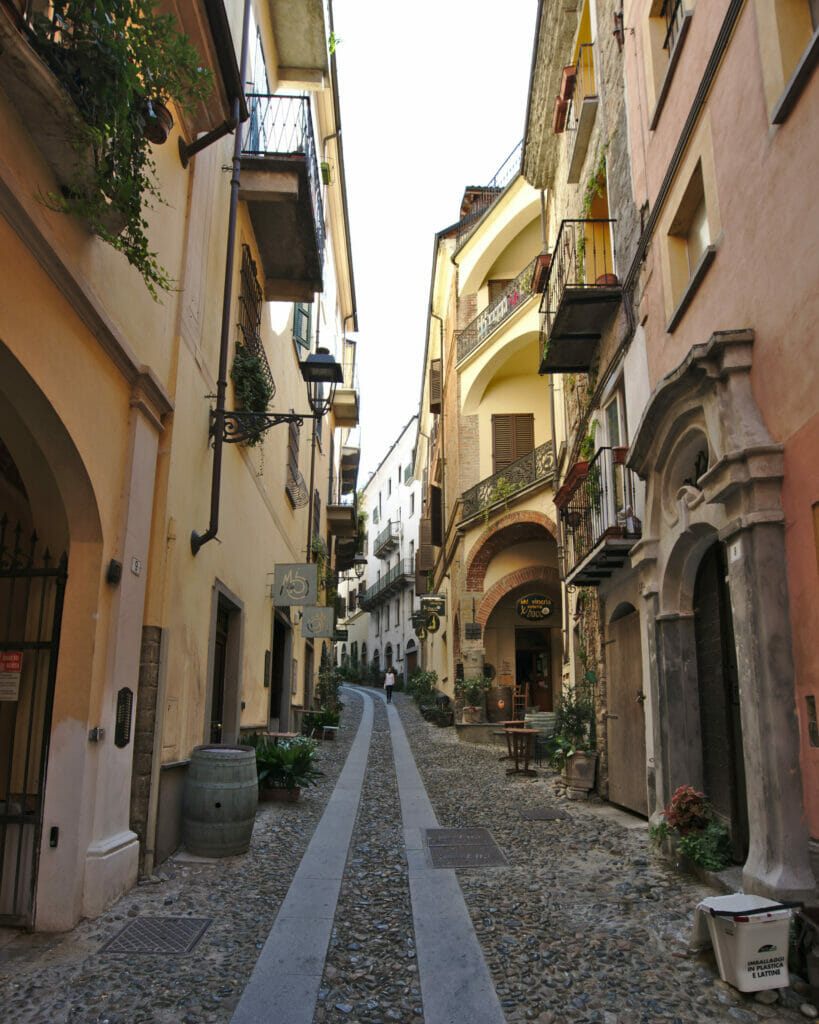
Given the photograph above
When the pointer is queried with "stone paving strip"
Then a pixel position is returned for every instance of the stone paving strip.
(584, 924)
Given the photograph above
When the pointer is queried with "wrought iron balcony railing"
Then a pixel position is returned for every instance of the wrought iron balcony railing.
(497, 312)
(487, 194)
(386, 540)
(584, 85)
(537, 466)
(282, 126)
(400, 576)
(597, 511)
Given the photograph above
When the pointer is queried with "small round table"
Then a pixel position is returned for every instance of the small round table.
(520, 748)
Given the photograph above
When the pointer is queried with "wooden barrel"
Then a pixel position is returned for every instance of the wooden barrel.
(219, 801)
(499, 703)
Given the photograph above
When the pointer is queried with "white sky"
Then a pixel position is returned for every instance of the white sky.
(433, 98)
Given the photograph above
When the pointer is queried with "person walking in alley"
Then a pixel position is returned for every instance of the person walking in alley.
(389, 682)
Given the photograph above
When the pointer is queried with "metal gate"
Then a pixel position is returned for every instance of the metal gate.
(32, 587)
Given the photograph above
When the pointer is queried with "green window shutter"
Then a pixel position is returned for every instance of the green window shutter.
(302, 312)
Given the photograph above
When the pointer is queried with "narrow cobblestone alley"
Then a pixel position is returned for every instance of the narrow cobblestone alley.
(584, 924)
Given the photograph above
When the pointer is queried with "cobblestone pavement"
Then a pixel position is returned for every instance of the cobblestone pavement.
(585, 924)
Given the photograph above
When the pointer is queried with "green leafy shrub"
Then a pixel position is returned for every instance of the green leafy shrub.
(574, 717)
(710, 848)
(699, 835)
(286, 764)
(472, 691)
(422, 687)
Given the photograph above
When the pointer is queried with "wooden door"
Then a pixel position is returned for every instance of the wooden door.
(626, 731)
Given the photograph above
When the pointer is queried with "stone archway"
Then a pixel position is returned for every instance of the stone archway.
(529, 574)
(513, 528)
(714, 474)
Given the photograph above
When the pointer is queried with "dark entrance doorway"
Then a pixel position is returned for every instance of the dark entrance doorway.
(280, 671)
(32, 586)
(533, 663)
(723, 766)
(625, 721)
(217, 704)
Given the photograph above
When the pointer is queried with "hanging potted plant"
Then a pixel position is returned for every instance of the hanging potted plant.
(121, 64)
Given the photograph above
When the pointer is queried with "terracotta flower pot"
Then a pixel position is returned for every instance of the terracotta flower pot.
(280, 793)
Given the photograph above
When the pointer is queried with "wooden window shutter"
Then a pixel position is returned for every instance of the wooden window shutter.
(420, 574)
(301, 323)
(435, 385)
(436, 516)
(513, 436)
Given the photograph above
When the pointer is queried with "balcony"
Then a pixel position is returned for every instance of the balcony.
(350, 458)
(479, 199)
(503, 306)
(493, 493)
(387, 541)
(598, 524)
(582, 292)
(280, 184)
(342, 520)
(400, 576)
(582, 111)
(345, 400)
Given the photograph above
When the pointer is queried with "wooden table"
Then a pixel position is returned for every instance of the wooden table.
(520, 747)
(510, 723)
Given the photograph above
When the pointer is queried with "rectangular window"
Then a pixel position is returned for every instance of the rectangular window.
(412, 506)
(614, 413)
(513, 436)
(666, 28)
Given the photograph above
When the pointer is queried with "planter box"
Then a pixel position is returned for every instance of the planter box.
(579, 775)
(280, 793)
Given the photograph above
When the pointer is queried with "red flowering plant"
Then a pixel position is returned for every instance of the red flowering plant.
(702, 837)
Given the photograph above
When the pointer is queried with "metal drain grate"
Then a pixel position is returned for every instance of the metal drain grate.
(463, 848)
(158, 935)
(545, 814)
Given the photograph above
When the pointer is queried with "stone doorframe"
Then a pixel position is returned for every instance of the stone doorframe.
(730, 493)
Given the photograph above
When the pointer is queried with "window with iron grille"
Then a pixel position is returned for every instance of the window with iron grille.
(292, 462)
(250, 314)
(513, 436)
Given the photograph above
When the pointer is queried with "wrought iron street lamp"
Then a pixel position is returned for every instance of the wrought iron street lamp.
(321, 373)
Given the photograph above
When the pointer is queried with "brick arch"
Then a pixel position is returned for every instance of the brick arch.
(530, 574)
(513, 528)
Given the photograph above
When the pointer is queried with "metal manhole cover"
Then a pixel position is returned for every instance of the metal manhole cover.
(545, 814)
(463, 848)
(158, 935)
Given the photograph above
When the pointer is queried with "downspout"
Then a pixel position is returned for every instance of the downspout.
(442, 437)
(197, 540)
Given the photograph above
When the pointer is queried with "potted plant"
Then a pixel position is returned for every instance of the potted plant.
(472, 692)
(284, 768)
(571, 751)
(689, 827)
(120, 63)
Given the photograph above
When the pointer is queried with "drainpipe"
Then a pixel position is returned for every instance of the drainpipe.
(197, 539)
(443, 459)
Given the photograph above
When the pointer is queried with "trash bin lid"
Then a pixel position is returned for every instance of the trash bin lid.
(739, 903)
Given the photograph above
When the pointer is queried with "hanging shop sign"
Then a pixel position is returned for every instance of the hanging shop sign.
(418, 619)
(318, 622)
(295, 583)
(11, 668)
(433, 622)
(434, 603)
(341, 634)
(421, 632)
(534, 607)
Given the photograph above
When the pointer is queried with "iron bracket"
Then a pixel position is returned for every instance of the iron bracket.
(240, 425)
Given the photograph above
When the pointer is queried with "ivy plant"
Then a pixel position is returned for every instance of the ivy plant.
(250, 386)
(116, 59)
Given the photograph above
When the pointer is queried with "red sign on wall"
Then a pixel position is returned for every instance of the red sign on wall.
(11, 666)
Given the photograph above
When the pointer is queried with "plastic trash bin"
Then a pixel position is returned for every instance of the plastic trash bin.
(750, 939)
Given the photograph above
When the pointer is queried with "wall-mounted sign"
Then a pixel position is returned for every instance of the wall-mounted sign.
(295, 583)
(434, 603)
(472, 630)
(534, 607)
(433, 622)
(11, 668)
(318, 622)
(341, 634)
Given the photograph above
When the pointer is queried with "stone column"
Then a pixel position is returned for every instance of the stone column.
(777, 864)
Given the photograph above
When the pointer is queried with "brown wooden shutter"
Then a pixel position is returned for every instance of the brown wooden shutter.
(436, 516)
(420, 574)
(425, 556)
(513, 436)
(435, 385)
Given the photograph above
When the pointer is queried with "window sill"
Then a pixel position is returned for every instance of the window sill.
(673, 60)
(700, 271)
(798, 81)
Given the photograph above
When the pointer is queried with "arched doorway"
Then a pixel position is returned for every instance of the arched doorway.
(723, 769)
(625, 720)
(412, 658)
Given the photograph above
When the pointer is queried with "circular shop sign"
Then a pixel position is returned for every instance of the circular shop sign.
(534, 607)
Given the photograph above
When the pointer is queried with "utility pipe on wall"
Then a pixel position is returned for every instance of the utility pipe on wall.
(197, 539)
